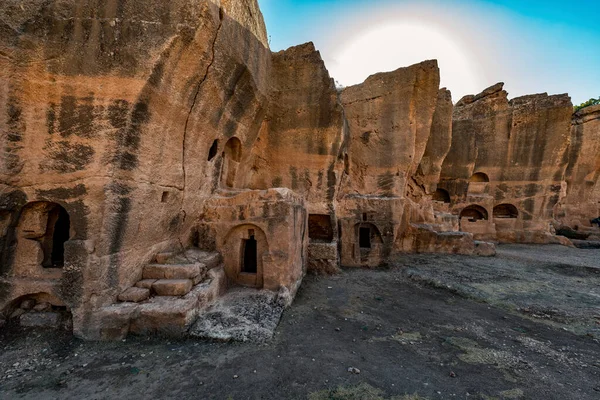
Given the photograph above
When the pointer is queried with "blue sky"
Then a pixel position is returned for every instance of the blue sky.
(533, 46)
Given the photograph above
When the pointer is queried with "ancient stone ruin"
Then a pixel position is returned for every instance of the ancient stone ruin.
(157, 156)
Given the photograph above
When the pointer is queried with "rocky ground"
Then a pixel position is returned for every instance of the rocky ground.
(522, 325)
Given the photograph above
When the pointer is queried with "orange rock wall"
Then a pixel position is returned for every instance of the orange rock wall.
(110, 110)
(582, 202)
(163, 125)
(522, 147)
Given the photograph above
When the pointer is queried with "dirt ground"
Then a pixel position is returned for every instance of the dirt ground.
(522, 325)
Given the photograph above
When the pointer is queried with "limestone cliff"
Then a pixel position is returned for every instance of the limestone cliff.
(582, 202)
(389, 117)
(133, 132)
(110, 111)
(301, 141)
(508, 160)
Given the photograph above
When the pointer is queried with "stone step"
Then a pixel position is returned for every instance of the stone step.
(172, 316)
(172, 287)
(135, 295)
(146, 283)
(173, 271)
(163, 258)
(168, 316)
(212, 259)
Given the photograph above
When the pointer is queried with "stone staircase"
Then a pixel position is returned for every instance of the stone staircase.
(175, 289)
(172, 275)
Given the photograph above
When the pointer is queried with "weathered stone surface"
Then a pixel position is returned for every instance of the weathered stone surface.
(172, 287)
(438, 145)
(210, 259)
(166, 271)
(427, 240)
(163, 258)
(390, 120)
(276, 219)
(166, 316)
(108, 323)
(102, 107)
(399, 133)
(581, 204)
(241, 315)
(168, 132)
(485, 249)
(51, 320)
(323, 259)
(209, 291)
(301, 144)
(135, 295)
(146, 283)
(504, 172)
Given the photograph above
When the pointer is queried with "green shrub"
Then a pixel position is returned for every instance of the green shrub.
(590, 102)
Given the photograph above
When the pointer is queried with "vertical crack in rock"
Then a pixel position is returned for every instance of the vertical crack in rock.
(198, 88)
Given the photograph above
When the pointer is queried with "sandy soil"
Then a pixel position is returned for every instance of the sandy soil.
(518, 326)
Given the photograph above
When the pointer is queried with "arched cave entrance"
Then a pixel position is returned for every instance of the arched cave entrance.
(506, 211)
(250, 255)
(479, 177)
(48, 225)
(474, 213)
(232, 155)
(60, 223)
(441, 195)
(369, 244)
(244, 249)
(39, 310)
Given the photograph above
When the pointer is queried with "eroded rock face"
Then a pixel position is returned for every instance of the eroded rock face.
(582, 202)
(136, 132)
(301, 142)
(390, 117)
(109, 111)
(399, 134)
(504, 173)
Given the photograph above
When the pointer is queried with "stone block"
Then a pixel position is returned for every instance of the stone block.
(211, 259)
(145, 283)
(172, 287)
(169, 316)
(167, 271)
(207, 292)
(323, 259)
(163, 258)
(41, 320)
(134, 295)
(485, 249)
(109, 323)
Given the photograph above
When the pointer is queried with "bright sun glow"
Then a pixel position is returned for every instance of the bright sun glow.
(400, 44)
